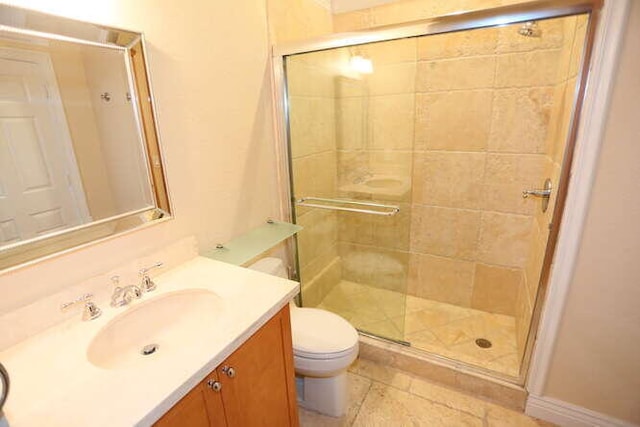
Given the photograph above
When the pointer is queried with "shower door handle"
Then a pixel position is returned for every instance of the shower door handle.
(537, 193)
(544, 192)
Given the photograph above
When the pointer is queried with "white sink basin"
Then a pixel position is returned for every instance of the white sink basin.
(170, 322)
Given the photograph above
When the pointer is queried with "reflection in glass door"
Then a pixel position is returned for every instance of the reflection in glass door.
(409, 159)
(352, 202)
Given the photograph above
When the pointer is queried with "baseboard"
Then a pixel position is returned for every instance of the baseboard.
(567, 415)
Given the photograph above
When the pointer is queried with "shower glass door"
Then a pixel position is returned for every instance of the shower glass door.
(351, 144)
(409, 159)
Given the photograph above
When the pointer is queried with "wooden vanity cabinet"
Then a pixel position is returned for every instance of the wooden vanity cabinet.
(253, 387)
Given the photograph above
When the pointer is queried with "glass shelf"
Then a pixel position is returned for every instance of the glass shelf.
(251, 244)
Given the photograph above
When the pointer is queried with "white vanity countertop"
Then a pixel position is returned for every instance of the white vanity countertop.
(54, 384)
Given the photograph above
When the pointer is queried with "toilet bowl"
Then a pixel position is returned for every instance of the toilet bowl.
(324, 345)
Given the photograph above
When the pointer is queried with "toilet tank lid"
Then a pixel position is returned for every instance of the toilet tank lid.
(321, 332)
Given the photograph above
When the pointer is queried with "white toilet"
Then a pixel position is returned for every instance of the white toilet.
(324, 345)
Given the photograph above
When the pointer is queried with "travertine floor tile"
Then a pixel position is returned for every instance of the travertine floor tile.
(447, 397)
(388, 406)
(381, 373)
(388, 397)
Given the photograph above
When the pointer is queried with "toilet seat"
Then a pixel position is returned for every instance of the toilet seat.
(320, 334)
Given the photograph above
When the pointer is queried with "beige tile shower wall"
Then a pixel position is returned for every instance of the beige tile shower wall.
(314, 159)
(491, 113)
(483, 106)
(291, 20)
(574, 30)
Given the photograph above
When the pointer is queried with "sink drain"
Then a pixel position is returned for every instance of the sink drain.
(483, 343)
(149, 349)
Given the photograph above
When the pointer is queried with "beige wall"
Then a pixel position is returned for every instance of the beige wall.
(596, 362)
(211, 79)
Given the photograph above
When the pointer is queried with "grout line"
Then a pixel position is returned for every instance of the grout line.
(364, 397)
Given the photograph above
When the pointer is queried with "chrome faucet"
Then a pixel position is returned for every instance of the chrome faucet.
(131, 292)
(123, 295)
(91, 310)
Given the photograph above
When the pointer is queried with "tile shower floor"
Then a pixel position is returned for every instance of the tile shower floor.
(386, 397)
(443, 329)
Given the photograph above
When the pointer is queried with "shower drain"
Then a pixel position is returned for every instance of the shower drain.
(149, 349)
(483, 343)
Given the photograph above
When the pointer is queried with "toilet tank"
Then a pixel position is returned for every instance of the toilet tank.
(270, 265)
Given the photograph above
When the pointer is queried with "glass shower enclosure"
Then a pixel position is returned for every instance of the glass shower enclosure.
(424, 169)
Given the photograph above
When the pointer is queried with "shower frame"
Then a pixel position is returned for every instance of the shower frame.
(478, 19)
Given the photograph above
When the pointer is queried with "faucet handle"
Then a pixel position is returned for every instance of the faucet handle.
(146, 284)
(91, 310)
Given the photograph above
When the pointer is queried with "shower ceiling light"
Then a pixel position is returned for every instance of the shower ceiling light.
(530, 29)
(361, 64)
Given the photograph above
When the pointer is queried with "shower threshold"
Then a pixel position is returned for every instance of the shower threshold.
(380, 337)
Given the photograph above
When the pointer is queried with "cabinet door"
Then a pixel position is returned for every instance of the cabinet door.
(258, 387)
(213, 398)
(190, 411)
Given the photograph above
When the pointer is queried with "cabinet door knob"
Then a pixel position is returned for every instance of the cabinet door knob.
(214, 385)
(229, 371)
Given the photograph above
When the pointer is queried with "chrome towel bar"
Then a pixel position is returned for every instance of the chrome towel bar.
(391, 210)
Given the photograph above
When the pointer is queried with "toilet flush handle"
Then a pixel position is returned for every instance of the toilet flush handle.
(229, 371)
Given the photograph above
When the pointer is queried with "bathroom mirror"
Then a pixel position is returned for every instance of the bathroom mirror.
(79, 153)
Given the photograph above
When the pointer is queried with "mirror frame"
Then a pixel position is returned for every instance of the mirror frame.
(28, 23)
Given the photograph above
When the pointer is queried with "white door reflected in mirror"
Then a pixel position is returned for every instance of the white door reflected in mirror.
(79, 153)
